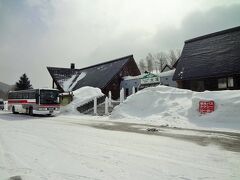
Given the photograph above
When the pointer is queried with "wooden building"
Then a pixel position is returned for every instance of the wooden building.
(107, 76)
(166, 68)
(210, 62)
(139, 82)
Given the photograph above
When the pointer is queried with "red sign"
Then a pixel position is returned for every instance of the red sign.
(206, 106)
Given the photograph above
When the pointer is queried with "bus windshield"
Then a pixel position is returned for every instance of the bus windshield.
(49, 97)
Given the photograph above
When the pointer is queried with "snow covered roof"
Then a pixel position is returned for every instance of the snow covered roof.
(166, 67)
(133, 77)
(163, 74)
(212, 55)
(95, 76)
(167, 73)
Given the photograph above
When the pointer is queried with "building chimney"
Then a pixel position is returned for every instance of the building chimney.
(72, 66)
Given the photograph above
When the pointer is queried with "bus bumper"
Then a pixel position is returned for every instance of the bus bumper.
(46, 112)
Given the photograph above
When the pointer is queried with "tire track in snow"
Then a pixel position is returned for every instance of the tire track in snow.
(229, 141)
(12, 162)
(8, 163)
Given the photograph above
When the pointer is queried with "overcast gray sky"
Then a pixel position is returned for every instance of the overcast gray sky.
(39, 33)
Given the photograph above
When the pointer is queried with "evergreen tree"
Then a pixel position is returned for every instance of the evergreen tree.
(23, 83)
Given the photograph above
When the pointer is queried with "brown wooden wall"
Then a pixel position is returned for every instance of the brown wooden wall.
(130, 69)
(210, 84)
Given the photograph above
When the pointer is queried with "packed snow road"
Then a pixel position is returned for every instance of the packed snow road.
(226, 140)
(72, 148)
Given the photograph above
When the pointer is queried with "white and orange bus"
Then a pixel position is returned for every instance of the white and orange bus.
(34, 101)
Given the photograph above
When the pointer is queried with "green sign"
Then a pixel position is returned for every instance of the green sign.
(150, 79)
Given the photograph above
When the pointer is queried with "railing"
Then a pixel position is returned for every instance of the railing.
(90, 105)
(109, 103)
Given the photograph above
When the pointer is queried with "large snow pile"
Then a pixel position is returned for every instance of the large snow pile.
(81, 96)
(174, 107)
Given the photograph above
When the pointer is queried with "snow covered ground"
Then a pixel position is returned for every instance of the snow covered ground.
(82, 147)
(175, 107)
(137, 141)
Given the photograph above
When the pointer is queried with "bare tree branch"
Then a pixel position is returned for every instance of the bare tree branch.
(150, 60)
(173, 56)
(161, 60)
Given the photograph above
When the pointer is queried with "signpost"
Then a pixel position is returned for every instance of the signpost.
(206, 106)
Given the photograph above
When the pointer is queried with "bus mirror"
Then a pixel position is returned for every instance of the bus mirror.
(58, 100)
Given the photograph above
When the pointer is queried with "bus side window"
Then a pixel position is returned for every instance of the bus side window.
(14, 95)
(25, 96)
(31, 95)
(19, 95)
(10, 96)
(37, 97)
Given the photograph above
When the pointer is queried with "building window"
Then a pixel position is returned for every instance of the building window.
(127, 92)
(230, 82)
(222, 83)
(136, 89)
(225, 83)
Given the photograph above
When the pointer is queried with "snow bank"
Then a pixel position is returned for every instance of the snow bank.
(174, 107)
(81, 96)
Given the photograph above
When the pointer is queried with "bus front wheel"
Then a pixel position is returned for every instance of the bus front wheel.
(30, 112)
(13, 110)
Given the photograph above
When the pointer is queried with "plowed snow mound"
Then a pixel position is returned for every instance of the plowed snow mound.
(179, 108)
(81, 96)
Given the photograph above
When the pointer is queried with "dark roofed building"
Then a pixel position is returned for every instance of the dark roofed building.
(210, 62)
(166, 68)
(107, 76)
